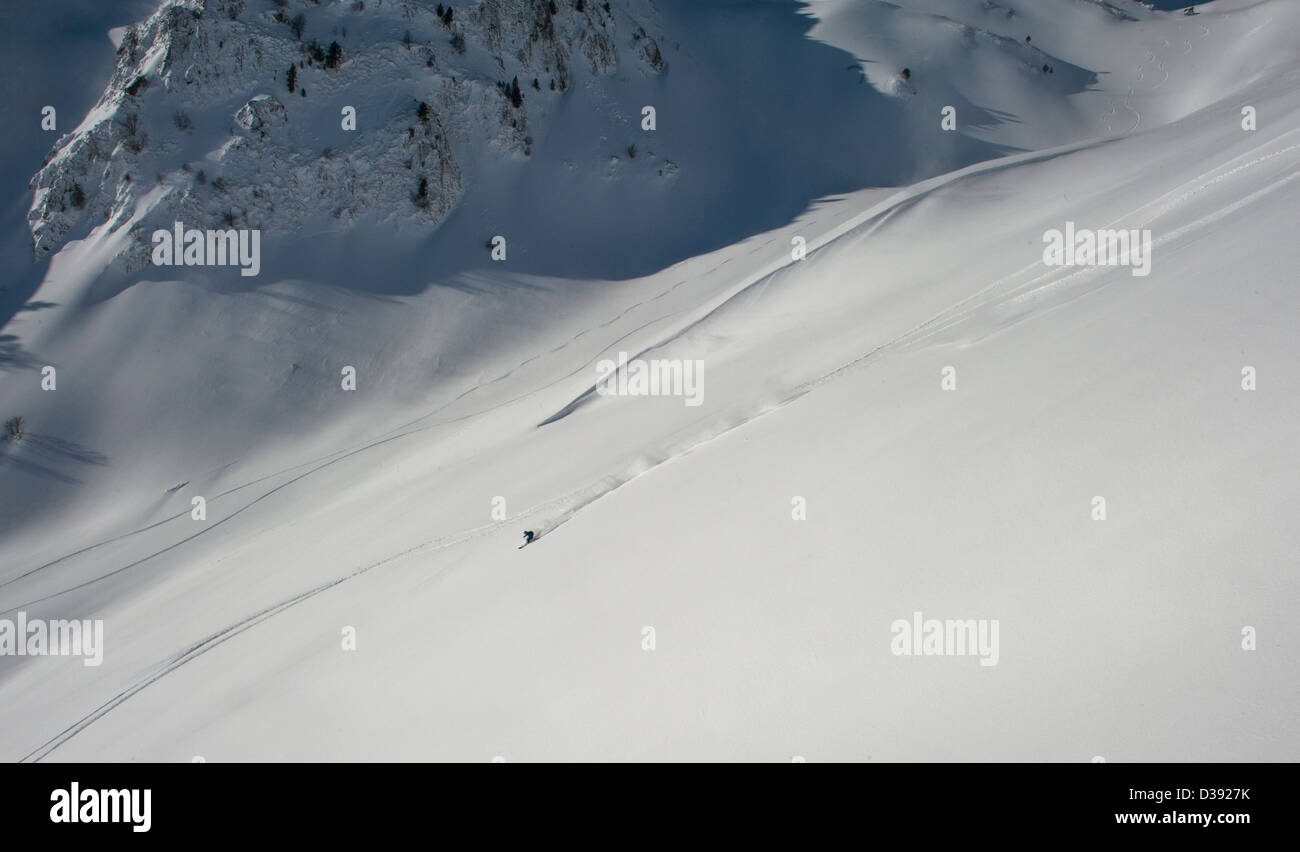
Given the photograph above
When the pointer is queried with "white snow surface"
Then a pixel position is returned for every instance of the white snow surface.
(372, 510)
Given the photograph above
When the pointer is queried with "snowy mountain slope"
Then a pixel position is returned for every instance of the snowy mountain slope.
(1110, 74)
(722, 130)
(822, 380)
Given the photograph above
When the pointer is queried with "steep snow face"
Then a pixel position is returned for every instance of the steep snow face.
(356, 110)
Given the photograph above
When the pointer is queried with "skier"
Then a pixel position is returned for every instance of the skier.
(529, 535)
(904, 81)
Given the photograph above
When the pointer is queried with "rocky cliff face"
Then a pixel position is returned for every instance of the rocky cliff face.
(227, 113)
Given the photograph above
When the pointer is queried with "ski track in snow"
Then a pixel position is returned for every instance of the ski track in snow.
(1145, 215)
(570, 504)
(322, 462)
(1159, 65)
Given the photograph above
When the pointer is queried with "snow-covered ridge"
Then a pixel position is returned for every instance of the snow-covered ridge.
(207, 94)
